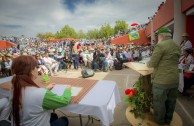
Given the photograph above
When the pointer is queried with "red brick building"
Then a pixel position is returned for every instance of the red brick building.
(125, 39)
(178, 15)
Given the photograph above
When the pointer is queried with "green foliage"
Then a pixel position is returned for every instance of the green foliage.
(81, 34)
(140, 101)
(67, 32)
(47, 35)
(93, 34)
(58, 35)
(106, 31)
(41, 36)
(120, 25)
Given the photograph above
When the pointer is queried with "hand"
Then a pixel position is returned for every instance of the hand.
(68, 87)
(50, 86)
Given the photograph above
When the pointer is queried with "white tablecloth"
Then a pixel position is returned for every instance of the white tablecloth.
(100, 101)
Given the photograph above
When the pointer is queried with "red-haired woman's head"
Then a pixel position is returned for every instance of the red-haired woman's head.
(24, 72)
(23, 65)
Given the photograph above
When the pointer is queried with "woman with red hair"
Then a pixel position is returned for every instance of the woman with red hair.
(32, 104)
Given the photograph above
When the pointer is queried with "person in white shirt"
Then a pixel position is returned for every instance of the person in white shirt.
(41, 65)
(114, 54)
(185, 44)
(8, 63)
(148, 51)
(52, 50)
(59, 49)
(109, 59)
(127, 54)
(91, 57)
(51, 64)
(132, 46)
(59, 57)
(143, 53)
(85, 56)
(185, 61)
(33, 105)
(136, 54)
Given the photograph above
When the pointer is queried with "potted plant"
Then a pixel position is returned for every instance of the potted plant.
(138, 99)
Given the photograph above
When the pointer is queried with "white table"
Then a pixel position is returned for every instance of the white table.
(100, 101)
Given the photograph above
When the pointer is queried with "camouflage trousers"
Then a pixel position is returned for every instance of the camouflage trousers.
(164, 101)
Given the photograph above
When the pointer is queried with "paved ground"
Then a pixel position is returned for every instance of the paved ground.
(126, 78)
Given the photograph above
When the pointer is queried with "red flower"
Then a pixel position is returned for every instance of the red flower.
(127, 91)
(130, 92)
(133, 91)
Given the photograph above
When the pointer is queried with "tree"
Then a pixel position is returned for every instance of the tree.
(58, 35)
(49, 36)
(67, 32)
(41, 36)
(106, 31)
(81, 34)
(120, 25)
(93, 34)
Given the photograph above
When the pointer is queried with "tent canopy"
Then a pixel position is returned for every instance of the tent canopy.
(6, 44)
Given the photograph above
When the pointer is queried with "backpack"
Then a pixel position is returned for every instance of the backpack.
(118, 65)
(87, 73)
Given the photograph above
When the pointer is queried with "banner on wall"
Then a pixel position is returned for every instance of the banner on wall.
(133, 35)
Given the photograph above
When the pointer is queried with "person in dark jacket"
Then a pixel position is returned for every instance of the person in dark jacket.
(120, 56)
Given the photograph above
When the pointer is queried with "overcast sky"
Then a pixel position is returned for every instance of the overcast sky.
(28, 17)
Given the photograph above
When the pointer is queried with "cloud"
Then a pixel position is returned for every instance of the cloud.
(29, 17)
(71, 4)
(11, 26)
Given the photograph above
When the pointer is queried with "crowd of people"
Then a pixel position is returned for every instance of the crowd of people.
(26, 62)
(53, 57)
(94, 54)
